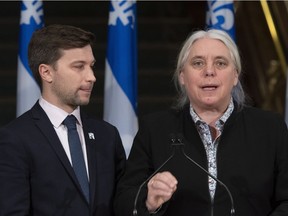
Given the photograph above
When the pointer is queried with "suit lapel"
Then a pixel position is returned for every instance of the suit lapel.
(90, 140)
(43, 123)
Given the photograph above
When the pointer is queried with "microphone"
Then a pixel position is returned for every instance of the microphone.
(181, 144)
(173, 143)
(177, 142)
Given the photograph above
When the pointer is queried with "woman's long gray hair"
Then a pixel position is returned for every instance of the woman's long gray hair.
(238, 93)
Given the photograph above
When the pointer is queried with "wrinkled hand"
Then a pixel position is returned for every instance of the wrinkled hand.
(160, 189)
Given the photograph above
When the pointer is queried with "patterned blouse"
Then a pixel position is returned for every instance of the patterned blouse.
(210, 144)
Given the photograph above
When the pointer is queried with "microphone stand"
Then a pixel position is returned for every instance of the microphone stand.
(181, 144)
(176, 143)
(135, 213)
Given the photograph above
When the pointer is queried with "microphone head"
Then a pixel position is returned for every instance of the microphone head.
(180, 138)
(172, 137)
(176, 139)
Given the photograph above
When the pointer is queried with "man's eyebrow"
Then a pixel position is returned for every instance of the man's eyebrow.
(83, 61)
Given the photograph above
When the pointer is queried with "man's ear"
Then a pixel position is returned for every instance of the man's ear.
(45, 72)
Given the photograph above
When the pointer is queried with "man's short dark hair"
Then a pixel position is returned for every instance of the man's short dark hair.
(47, 43)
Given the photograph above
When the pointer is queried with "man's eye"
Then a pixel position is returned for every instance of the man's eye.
(93, 68)
(79, 66)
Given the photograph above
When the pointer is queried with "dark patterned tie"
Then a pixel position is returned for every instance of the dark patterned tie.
(76, 152)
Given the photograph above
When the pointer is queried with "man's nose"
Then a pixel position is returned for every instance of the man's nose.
(91, 76)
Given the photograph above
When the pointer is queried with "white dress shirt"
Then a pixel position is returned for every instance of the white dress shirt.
(57, 116)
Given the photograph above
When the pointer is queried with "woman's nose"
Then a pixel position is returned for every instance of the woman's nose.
(209, 70)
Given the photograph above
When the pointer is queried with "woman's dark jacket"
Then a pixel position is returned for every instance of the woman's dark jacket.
(252, 161)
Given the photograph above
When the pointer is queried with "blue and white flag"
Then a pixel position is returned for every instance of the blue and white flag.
(120, 93)
(28, 91)
(220, 15)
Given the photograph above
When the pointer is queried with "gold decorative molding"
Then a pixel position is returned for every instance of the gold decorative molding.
(274, 34)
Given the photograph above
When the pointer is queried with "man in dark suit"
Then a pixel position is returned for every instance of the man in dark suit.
(38, 174)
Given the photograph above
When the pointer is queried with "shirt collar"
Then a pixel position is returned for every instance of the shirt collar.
(57, 115)
(196, 118)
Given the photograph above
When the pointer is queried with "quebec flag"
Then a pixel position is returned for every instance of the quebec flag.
(220, 15)
(28, 91)
(120, 93)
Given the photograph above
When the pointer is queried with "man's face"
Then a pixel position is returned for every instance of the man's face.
(72, 79)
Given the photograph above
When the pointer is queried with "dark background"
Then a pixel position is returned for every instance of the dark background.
(162, 28)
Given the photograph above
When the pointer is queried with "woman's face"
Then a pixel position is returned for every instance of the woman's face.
(209, 75)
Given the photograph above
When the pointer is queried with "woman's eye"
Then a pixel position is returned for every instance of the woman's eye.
(198, 64)
(221, 64)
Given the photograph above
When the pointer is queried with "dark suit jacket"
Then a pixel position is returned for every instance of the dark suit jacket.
(252, 160)
(36, 177)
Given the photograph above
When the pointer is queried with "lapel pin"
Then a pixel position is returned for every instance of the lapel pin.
(91, 136)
